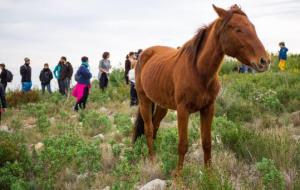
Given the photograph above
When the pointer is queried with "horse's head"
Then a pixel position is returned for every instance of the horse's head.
(238, 38)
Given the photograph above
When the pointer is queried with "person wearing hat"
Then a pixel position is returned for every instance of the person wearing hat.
(25, 71)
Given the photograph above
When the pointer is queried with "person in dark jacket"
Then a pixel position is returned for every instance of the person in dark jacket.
(81, 90)
(3, 76)
(127, 68)
(69, 74)
(25, 71)
(282, 56)
(45, 77)
(60, 67)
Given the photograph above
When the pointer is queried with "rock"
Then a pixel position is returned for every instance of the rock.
(106, 188)
(103, 110)
(295, 118)
(99, 136)
(156, 184)
(4, 128)
(27, 126)
(38, 147)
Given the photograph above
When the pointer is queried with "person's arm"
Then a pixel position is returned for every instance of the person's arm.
(41, 73)
(51, 75)
(85, 72)
(55, 72)
(22, 71)
(70, 70)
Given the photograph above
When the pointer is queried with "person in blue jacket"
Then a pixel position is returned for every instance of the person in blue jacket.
(81, 90)
(282, 56)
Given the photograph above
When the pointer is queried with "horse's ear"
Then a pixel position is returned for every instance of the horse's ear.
(221, 12)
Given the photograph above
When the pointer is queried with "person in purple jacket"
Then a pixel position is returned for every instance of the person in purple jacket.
(81, 90)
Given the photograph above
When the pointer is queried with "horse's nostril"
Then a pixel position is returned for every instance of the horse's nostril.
(263, 61)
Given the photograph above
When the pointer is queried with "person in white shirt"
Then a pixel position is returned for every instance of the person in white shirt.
(131, 76)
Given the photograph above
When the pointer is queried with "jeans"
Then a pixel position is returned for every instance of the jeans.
(26, 86)
(133, 95)
(67, 83)
(48, 86)
(61, 87)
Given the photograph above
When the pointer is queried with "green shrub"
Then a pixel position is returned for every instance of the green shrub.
(271, 176)
(15, 123)
(204, 179)
(166, 145)
(43, 123)
(66, 151)
(123, 123)
(17, 98)
(95, 123)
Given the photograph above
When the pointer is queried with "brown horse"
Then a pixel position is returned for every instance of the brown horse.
(186, 79)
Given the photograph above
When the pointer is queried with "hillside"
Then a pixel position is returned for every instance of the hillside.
(44, 144)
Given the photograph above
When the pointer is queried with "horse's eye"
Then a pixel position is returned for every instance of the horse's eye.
(238, 30)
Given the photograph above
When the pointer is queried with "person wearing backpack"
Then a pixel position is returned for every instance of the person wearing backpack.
(25, 71)
(45, 77)
(81, 90)
(5, 76)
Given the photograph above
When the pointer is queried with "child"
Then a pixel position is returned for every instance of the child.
(81, 90)
(45, 77)
(282, 56)
(131, 76)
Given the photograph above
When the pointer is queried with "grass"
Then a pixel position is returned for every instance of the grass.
(255, 143)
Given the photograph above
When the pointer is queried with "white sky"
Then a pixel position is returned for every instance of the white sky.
(44, 30)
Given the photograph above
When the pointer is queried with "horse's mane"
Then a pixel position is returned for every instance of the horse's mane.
(192, 47)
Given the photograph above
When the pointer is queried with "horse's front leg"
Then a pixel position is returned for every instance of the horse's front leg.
(207, 115)
(183, 118)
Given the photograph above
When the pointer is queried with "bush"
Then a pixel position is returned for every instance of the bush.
(94, 122)
(203, 179)
(123, 123)
(15, 164)
(18, 98)
(271, 176)
(43, 123)
(66, 151)
(166, 145)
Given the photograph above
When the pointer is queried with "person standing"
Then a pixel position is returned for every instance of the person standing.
(104, 67)
(58, 75)
(25, 71)
(5, 76)
(282, 56)
(81, 90)
(45, 77)
(131, 75)
(127, 67)
(69, 74)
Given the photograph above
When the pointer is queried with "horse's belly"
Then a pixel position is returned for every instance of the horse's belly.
(159, 89)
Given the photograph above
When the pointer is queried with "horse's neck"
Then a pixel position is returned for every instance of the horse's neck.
(210, 57)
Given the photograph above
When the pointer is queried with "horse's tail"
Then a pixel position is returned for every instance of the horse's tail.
(139, 125)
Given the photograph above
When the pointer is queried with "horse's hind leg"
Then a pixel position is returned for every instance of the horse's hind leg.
(146, 112)
(159, 114)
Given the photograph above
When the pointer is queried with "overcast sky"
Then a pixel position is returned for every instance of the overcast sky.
(44, 30)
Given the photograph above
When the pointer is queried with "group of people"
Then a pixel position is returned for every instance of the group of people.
(130, 63)
(63, 72)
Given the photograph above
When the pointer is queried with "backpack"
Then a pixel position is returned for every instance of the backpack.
(9, 76)
(77, 76)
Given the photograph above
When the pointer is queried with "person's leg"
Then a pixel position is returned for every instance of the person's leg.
(43, 88)
(135, 97)
(67, 86)
(132, 94)
(106, 80)
(49, 88)
(60, 87)
(102, 81)
(85, 97)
